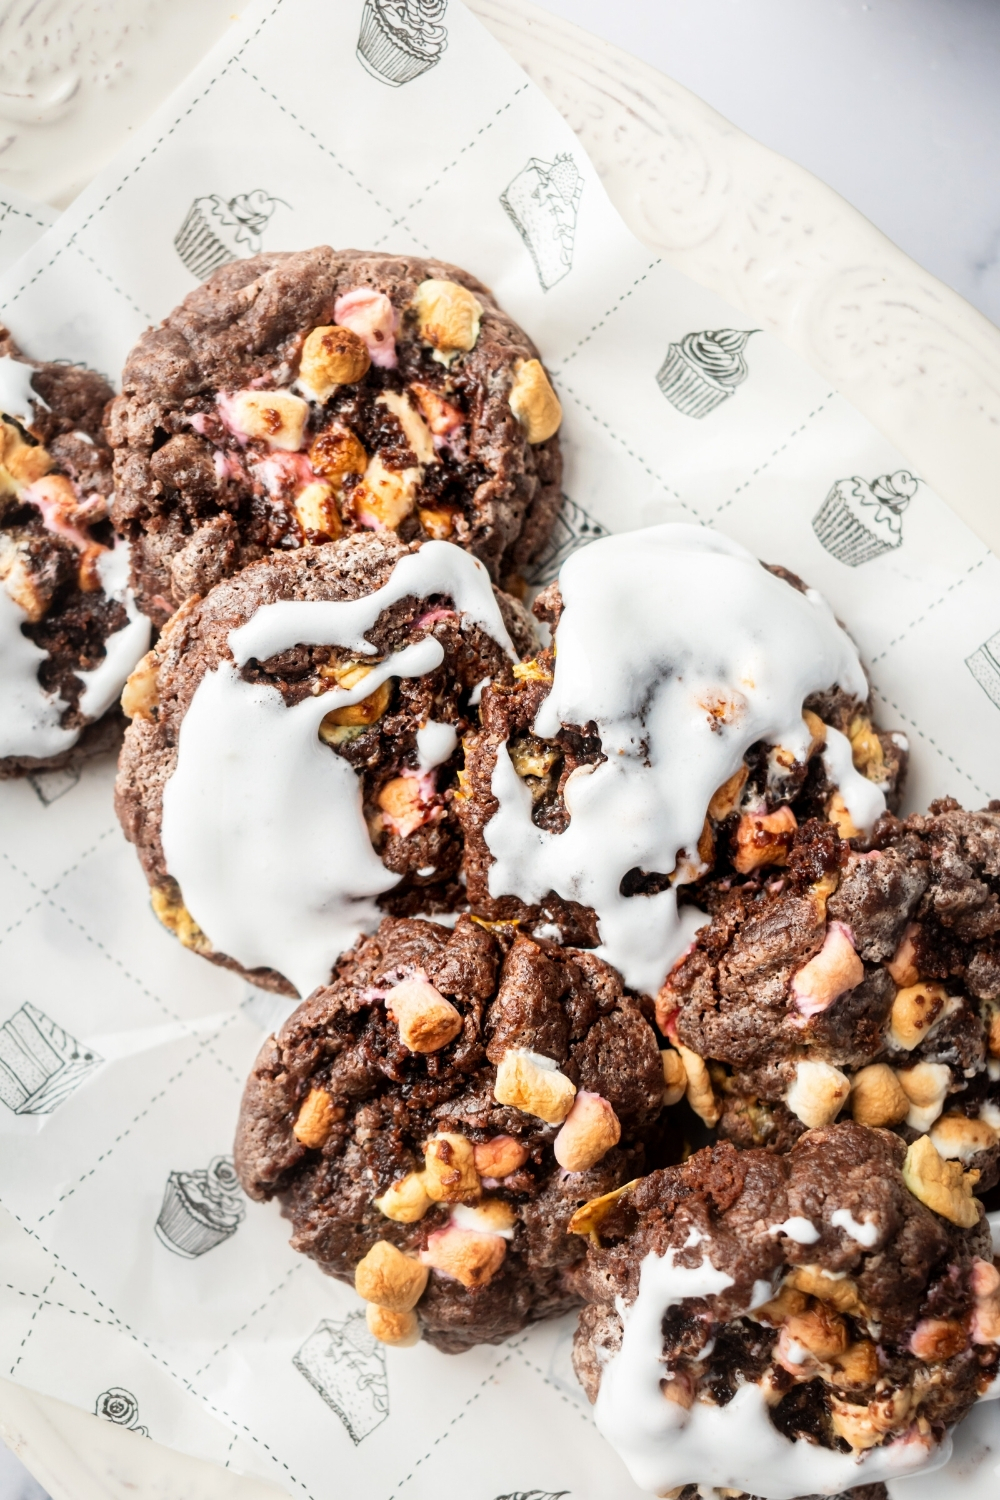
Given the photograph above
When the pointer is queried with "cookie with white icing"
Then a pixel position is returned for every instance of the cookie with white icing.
(696, 708)
(296, 397)
(292, 762)
(70, 631)
(430, 1121)
(783, 1324)
(864, 981)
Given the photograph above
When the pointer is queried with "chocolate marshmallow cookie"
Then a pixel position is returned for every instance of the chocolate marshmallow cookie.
(786, 1324)
(297, 396)
(696, 708)
(290, 766)
(860, 977)
(69, 630)
(430, 1121)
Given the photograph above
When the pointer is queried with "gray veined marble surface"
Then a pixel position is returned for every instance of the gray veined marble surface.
(894, 103)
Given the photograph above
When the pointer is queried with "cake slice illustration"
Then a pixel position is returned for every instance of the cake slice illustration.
(400, 39)
(40, 1064)
(120, 1406)
(542, 201)
(346, 1365)
(201, 1208)
(49, 786)
(984, 665)
(859, 521)
(574, 528)
(704, 369)
(218, 230)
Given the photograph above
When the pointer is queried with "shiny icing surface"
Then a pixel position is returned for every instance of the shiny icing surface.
(709, 653)
(263, 825)
(102, 685)
(29, 716)
(16, 391)
(734, 1446)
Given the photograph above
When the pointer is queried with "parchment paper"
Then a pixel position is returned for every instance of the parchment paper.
(124, 1054)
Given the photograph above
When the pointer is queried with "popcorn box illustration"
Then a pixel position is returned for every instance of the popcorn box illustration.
(346, 1366)
(400, 39)
(40, 1064)
(201, 1208)
(542, 202)
(573, 528)
(218, 230)
(704, 369)
(859, 521)
(984, 665)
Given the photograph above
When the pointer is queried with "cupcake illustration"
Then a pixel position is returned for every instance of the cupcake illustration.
(400, 39)
(120, 1406)
(201, 1208)
(542, 201)
(218, 230)
(574, 528)
(40, 1064)
(984, 665)
(858, 521)
(346, 1365)
(704, 369)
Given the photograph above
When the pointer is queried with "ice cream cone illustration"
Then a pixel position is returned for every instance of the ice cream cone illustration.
(201, 1208)
(574, 528)
(40, 1064)
(217, 230)
(400, 39)
(859, 521)
(704, 369)
(346, 1365)
(984, 665)
(542, 201)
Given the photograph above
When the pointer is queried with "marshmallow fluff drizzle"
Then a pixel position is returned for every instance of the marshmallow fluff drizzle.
(685, 651)
(735, 1446)
(263, 826)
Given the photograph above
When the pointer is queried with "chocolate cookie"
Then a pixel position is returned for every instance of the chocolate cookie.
(695, 708)
(782, 1323)
(290, 769)
(431, 1120)
(70, 632)
(862, 978)
(296, 396)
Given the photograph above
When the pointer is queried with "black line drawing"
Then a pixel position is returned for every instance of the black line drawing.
(542, 202)
(120, 1406)
(574, 528)
(201, 1208)
(704, 369)
(534, 1495)
(400, 39)
(218, 230)
(859, 521)
(49, 786)
(40, 1064)
(346, 1366)
(984, 664)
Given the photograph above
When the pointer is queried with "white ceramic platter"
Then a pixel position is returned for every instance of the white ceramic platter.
(912, 356)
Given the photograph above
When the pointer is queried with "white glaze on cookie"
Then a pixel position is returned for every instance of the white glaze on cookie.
(16, 391)
(685, 651)
(103, 684)
(263, 825)
(29, 716)
(735, 1446)
(863, 799)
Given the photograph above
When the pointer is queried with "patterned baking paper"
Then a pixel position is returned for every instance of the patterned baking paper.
(139, 1283)
(22, 220)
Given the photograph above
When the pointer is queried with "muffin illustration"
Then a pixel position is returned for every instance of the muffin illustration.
(400, 39)
(542, 201)
(118, 1405)
(574, 528)
(218, 230)
(704, 369)
(201, 1208)
(859, 521)
(984, 665)
(345, 1364)
(40, 1064)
